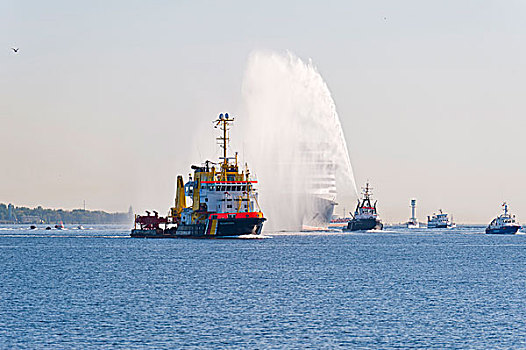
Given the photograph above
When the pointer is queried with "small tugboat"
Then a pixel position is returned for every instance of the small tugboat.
(365, 216)
(224, 201)
(503, 224)
(413, 221)
(440, 220)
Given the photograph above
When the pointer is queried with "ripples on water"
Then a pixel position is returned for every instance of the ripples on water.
(395, 289)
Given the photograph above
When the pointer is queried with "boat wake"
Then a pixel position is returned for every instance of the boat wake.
(308, 233)
(244, 237)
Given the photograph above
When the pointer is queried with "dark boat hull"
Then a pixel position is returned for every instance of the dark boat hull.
(228, 227)
(507, 230)
(438, 226)
(317, 212)
(159, 233)
(364, 224)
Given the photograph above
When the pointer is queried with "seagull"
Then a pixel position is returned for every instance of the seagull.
(15, 49)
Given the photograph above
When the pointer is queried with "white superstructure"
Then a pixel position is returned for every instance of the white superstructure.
(439, 220)
(320, 188)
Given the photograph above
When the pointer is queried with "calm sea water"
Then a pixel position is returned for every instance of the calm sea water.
(97, 288)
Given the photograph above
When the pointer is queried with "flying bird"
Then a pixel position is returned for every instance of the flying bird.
(15, 49)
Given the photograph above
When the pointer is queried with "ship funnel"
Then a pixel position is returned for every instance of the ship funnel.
(226, 115)
(221, 116)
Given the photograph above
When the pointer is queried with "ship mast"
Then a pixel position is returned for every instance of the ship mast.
(366, 193)
(366, 190)
(223, 122)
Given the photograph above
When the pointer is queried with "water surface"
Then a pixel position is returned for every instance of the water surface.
(399, 288)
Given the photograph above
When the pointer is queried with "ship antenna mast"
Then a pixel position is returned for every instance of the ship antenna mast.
(366, 190)
(223, 122)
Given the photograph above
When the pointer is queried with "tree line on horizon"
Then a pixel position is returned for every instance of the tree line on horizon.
(39, 215)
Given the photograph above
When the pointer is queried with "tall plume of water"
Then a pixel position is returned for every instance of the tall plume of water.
(294, 141)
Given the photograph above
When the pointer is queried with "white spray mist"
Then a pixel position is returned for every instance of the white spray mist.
(293, 140)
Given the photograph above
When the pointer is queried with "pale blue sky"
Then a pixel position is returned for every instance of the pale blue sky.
(108, 101)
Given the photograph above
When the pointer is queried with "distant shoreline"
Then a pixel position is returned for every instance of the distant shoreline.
(11, 214)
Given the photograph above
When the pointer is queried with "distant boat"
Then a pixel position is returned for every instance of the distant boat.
(440, 220)
(504, 224)
(413, 222)
(80, 227)
(32, 227)
(59, 226)
(365, 216)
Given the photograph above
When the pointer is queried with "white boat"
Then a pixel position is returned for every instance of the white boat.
(440, 220)
(412, 224)
(504, 224)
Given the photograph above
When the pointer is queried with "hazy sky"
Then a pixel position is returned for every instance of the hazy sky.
(107, 101)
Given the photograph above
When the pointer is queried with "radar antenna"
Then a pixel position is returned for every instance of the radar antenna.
(223, 122)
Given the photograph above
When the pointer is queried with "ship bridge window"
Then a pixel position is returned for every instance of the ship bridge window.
(229, 188)
(217, 188)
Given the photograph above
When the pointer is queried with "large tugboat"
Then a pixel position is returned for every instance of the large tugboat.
(504, 224)
(365, 216)
(440, 220)
(224, 201)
